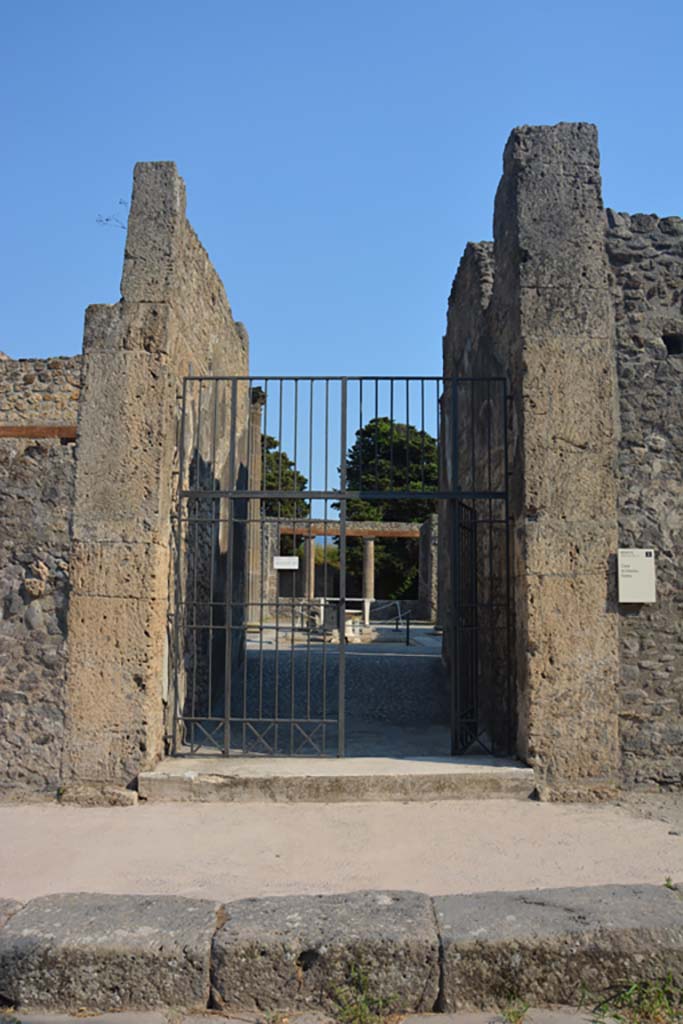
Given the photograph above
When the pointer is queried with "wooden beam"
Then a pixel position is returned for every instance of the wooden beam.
(65, 431)
(320, 528)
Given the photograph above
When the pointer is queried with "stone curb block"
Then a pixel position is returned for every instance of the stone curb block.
(108, 952)
(300, 952)
(7, 909)
(556, 945)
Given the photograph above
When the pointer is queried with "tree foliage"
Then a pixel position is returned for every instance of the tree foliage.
(280, 475)
(388, 456)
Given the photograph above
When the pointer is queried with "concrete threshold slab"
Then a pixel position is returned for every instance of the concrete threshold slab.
(334, 780)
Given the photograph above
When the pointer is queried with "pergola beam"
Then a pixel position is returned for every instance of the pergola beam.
(330, 528)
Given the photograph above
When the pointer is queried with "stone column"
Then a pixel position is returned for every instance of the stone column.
(255, 539)
(173, 317)
(552, 316)
(368, 577)
(428, 588)
(309, 568)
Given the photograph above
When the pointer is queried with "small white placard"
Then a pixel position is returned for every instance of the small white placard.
(285, 562)
(636, 574)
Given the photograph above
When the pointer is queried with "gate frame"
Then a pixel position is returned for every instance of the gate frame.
(455, 499)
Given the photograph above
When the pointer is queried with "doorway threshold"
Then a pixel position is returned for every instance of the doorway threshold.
(262, 779)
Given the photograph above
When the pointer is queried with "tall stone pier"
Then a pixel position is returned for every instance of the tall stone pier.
(173, 319)
(572, 304)
(535, 306)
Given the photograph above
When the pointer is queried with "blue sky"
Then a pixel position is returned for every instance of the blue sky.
(338, 155)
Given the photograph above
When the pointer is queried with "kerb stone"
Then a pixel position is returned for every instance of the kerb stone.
(322, 952)
(555, 946)
(107, 952)
(7, 909)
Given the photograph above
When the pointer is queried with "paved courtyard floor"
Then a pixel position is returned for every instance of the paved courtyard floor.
(230, 851)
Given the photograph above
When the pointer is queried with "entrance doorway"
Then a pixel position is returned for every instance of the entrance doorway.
(342, 567)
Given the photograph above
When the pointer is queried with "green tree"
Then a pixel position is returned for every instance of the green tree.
(280, 475)
(388, 456)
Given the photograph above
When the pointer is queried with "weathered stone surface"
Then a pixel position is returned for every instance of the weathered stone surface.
(550, 946)
(315, 951)
(127, 569)
(646, 257)
(565, 1015)
(141, 1017)
(97, 795)
(173, 316)
(36, 495)
(537, 309)
(114, 698)
(107, 952)
(34, 391)
(7, 909)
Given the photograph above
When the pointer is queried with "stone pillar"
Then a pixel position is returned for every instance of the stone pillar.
(309, 568)
(551, 316)
(428, 589)
(173, 316)
(368, 577)
(255, 540)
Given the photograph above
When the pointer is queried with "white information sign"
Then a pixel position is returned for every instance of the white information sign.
(636, 575)
(285, 562)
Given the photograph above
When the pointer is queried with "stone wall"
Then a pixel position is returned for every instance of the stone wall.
(478, 412)
(582, 310)
(646, 257)
(173, 319)
(545, 320)
(34, 391)
(36, 500)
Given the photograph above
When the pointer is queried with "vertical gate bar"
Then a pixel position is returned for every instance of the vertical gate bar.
(214, 526)
(473, 468)
(360, 440)
(455, 574)
(422, 433)
(341, 709)
(391, 434)
(323, 612)
(195, 573)
(310, 596)
(292, 656)
(407, 484)
(227, 721)
(276, 667)
(508, 571)
(491, 610)
(263, 598)
(325, 573)
(376, 434)
(247, 582)
(178, 588)
(475, 613)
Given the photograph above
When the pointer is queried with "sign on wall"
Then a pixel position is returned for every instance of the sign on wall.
(285, 562)
(636, 575)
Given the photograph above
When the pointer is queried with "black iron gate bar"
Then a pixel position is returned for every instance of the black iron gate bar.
(465, 603)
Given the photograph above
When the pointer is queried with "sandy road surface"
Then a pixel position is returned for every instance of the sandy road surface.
(229, 851)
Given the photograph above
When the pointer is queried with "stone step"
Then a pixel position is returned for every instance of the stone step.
(334, 780)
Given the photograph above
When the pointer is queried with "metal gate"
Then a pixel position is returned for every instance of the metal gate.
(279, 481)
